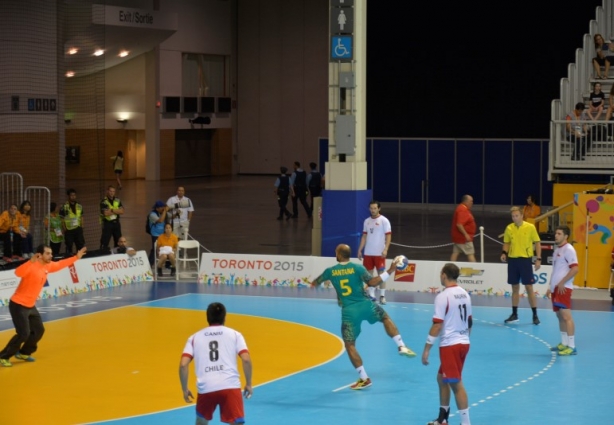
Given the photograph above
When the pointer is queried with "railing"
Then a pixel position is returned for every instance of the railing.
(590, 153)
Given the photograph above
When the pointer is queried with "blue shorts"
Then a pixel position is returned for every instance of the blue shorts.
(520, 270)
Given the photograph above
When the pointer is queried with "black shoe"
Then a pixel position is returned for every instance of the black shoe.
(172, 271)
(279, 218)
(536, 320)
(288, 217)
(159, 271)
(512, 319)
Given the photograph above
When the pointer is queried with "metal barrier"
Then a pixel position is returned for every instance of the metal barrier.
(591, 152)
(11, 190)
(40, 199)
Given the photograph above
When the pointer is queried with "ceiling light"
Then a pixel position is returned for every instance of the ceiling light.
(70, 74)
(123, 53)
(99, 52)
(73, 51)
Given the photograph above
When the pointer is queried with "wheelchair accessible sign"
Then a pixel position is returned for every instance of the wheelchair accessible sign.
(341, 48)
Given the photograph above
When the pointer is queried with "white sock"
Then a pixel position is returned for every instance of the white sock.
(382, 292)
(362, 374)
(564, 339)
(572, 341)
(464, 416)
(372, 291)
(398, 340)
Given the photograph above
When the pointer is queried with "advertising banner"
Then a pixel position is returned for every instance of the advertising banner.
(88, 274)
(297, 271)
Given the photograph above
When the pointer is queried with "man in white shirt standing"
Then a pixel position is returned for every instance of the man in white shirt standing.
(564, 268)
(452, 322)
(180, 210)
(215, 350)
(376, 237)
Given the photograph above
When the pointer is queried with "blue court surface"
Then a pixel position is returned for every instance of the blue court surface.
(510, 375)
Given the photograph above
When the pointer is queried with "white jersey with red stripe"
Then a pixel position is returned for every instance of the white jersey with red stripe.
(563, 259)
(376, 230)
(215, 350)
(453, 308)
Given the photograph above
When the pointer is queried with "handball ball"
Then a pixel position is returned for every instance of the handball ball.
(401, 262)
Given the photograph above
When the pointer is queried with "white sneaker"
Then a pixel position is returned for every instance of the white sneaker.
(382, 300)
(404, 351)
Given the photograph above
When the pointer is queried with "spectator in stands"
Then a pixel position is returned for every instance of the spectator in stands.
(180, 211)
(24, 229)
(167, 248)
(576, 132)
(118, 168)
(314, 183)
(602, 58)
(123, 248)
(10, 234)
(596, 102)
(53, 225)
(463, 230)
(71, 214)
(157, 218)
(531, 209)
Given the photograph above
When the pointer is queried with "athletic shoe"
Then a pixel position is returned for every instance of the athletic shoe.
(16, 257)
(512, 319)
(382, 300)
(7, 259)
(559, 347)
(172, 271)
(568, 351)
(404, 351)
(361, 384)
(536, 320)
(25, 357)
(159, 271)
(436, 422)
(441, 419)
(5, 363)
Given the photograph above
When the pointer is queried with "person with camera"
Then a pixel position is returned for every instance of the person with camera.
(180, 211)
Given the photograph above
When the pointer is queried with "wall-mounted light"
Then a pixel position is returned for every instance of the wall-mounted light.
(123, 53)
(122, 120)
(99, 52)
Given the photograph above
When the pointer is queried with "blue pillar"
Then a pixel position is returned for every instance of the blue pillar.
(343, 215)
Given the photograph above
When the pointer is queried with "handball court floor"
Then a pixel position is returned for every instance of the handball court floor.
(112, 356)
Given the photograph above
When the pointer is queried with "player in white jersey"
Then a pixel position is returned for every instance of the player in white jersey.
(452, 322)
(564, 268)
(376, 237)
(215, 350)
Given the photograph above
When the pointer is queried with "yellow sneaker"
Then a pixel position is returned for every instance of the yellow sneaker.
(404, 351)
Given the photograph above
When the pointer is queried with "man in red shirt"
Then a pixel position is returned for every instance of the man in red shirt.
(22, 306)
(463, 230)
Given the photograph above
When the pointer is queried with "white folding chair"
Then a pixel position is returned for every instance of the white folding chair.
(183, 257)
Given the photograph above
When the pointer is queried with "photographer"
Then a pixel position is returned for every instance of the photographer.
(180, 213)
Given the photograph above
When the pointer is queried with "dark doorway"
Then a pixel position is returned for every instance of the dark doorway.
(193, 152)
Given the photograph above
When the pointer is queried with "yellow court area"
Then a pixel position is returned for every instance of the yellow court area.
(124, 362)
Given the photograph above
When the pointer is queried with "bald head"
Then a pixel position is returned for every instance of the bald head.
(343, 252)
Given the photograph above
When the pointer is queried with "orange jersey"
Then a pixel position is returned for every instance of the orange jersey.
(33, 276)
(7, 222)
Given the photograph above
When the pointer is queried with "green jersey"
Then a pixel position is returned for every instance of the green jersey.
(348, 279)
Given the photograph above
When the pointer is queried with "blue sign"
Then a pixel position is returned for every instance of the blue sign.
(341, 47)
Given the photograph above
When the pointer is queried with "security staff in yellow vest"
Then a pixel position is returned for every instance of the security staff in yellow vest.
(71, 214)
(110, 210)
